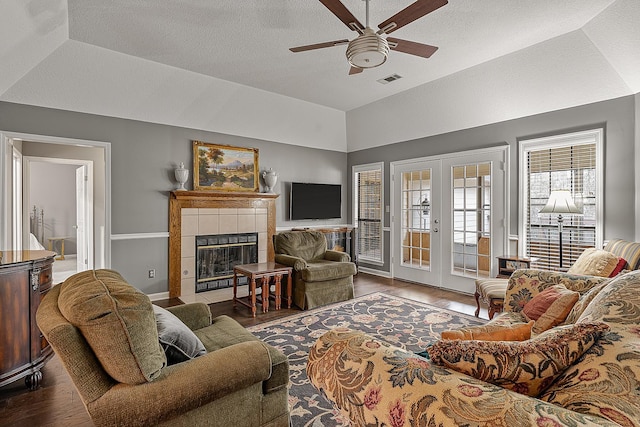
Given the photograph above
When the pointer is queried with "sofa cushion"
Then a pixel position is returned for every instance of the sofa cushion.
(550, 307)
(118, 323)
(320, 271)
(627, 250)
(225, 332)
(178, 341)
(594, 262)
(606, 381)
(583, 302)
(491, 332)
(527, 367)
(308, 245)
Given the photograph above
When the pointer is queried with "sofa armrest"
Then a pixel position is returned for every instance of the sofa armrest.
(337, 256)
(527, 283)
(195, 315)
(292, 261)
(184, 387)
(371, 382)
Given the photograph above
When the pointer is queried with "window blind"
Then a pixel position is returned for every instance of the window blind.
(369, 214)
(567, 167)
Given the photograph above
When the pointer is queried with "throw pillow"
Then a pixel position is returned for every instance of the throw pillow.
(584, 301)
(489, 332)
(550, 307)
(526, 367)
(594, 262)
(621, 263)
(118, 323)
(178, 341)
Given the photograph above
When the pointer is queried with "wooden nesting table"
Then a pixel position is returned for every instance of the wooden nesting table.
(264, 271)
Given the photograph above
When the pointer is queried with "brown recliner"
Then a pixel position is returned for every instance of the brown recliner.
(239, 381)
(320, 276)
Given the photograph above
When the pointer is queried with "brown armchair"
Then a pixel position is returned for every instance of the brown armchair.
(239, 381)
(320, 276)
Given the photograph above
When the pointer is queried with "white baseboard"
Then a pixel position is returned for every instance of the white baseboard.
(158, 296)
(374, 272)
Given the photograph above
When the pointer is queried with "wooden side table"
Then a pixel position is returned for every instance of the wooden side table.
(507, 264)
(264, 271)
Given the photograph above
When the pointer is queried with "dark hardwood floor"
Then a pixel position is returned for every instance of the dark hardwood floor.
(56, 402)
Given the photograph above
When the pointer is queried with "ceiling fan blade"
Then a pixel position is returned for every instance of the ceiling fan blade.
(318, 45)
(410, 13)
(412, 48)
(355, 70)
(343, 14)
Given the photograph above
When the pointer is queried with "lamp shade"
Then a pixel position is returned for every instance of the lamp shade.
(560, 202)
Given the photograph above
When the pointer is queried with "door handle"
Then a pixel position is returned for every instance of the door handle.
(436, 221)
(435, 230)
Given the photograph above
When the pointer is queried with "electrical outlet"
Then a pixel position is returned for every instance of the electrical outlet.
(152, 274)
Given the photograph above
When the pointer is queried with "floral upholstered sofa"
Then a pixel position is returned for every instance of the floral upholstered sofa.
(595, 381)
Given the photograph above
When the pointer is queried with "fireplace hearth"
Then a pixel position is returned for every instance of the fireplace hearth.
(216, 255)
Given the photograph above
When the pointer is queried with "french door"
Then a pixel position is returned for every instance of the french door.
(416, 220)
(449, 218)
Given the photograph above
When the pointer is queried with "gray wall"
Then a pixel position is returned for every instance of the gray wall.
(145, 154)
(618, 117)
(143, 158)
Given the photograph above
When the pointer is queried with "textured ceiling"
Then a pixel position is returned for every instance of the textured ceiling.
(247, 41)
(225, 66)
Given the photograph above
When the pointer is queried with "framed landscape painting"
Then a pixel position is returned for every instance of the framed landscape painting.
(224, 168)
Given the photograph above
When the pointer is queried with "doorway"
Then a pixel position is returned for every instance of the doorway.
(90, 163)
(58, 195)
(449, 218)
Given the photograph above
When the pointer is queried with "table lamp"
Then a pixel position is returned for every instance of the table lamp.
(560, 202)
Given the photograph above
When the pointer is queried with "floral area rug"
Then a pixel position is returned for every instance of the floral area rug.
(401, 322)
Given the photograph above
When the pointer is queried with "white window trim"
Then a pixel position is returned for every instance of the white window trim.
(576, 138)
(354, 204)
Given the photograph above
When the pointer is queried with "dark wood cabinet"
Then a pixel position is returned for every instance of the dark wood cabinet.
(25, 277)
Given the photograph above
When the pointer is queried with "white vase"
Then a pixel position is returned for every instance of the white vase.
(182, 175)
(270, 178)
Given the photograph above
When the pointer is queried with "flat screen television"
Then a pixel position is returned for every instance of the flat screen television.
(315, 201)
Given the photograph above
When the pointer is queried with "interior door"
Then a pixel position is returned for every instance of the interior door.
(416, 222)
(84, 219)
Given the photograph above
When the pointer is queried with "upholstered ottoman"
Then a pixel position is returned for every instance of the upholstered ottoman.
(492, 292)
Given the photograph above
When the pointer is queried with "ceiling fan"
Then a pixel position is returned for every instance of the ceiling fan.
(370, 49)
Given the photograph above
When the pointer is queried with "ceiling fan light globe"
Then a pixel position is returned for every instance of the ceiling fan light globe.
(368, 50)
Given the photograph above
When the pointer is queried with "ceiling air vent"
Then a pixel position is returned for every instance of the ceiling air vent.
(389, 79)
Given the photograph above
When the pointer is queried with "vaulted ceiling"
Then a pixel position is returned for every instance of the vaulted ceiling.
(198, 63)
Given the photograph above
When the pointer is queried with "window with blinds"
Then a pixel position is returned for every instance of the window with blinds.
(565, 162)
(368, 211)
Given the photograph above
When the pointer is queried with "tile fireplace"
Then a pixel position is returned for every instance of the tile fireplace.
(217, 254)
(201, 214)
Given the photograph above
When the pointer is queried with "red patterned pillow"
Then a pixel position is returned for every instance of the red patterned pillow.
(621, 263)
(550, 307)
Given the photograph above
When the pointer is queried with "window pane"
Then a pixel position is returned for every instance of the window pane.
(369, 213)
(561, 166)
(471, 195)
